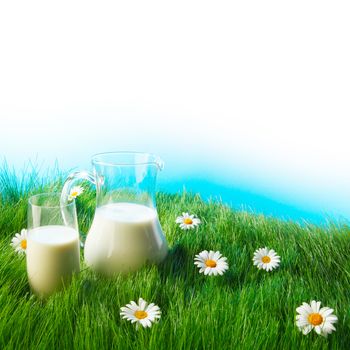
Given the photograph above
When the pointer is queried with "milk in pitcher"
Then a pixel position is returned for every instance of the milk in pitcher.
(123, 237)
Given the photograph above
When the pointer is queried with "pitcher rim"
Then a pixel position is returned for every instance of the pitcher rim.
(156, 159)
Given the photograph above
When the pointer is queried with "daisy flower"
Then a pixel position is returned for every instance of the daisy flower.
(266, 259)
(187, 221)
(211, 263)
(75, 192)
(310, 317)
(19, 242)
(141, 313)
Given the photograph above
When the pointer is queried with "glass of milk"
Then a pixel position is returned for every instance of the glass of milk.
(53, 243)
(125, 233)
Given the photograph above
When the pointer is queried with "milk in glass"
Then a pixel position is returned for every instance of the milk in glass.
(52, 257)
(123, 237)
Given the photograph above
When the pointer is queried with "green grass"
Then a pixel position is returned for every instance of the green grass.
(244, 309)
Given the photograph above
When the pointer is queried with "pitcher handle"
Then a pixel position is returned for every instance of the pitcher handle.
(72, 179)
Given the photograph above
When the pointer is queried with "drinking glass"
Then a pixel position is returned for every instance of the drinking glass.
(53, 243)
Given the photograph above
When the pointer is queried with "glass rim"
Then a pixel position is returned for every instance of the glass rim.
(49, 195)
(155, 159)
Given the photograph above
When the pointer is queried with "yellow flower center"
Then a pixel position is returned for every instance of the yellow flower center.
(210, 263)
(265, 259)
(74, 194)
(24, 244)
(188, 221)
(315, 319)
(140, 314)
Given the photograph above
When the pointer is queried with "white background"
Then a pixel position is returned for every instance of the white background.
(253, 94)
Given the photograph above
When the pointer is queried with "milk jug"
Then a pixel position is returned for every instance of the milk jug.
(125, 233)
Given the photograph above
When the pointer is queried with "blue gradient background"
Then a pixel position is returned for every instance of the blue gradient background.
(248, 102)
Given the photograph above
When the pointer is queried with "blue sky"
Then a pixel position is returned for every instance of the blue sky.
(250, 96)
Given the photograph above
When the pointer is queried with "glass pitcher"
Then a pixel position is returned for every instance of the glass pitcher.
(125, 232)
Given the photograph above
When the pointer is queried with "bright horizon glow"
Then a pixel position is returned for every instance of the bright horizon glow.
(249, 95)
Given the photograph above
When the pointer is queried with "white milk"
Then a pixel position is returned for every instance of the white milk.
(123, 237)
(52, 257)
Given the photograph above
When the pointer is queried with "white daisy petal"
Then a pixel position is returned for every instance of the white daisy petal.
(204, 254)
(314, 306)
(307, 330)
(143, 323)
(216, 256)
(154, 310)
(19, 242)
(307, 307)
(302, 322)
(141, 314)
(332, 319)
(326, 311)
(127, 310)
(328, 327)
(187, 221)
(318, 329)
(211, 263)
(310, 316)
(266, 259)
(142, 304)
(134, 305)
(150, 307)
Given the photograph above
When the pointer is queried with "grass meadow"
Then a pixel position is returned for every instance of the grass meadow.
(244, 309)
